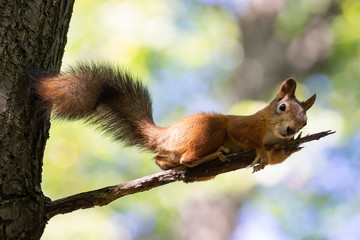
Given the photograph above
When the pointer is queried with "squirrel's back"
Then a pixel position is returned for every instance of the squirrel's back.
(105, 96)
(111, 99)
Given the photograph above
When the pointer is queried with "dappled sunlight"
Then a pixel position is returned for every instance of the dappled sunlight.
(228, 57)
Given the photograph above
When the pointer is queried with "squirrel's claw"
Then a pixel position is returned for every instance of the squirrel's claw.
(223, 150)
(259, 162)
(223, 158)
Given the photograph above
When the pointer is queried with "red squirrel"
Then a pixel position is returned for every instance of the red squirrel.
(120, 105)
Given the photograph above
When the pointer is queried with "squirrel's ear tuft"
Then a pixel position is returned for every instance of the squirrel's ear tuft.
(309, 102)
(288, 88)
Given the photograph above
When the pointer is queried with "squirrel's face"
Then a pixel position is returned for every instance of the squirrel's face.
(290, 118)
(289, 114)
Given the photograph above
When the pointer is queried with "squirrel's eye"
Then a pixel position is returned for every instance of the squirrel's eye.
(282, 107)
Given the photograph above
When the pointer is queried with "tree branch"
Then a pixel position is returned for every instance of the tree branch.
(106, 195)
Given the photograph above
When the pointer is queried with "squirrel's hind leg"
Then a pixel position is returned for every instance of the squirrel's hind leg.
(189, 159)
(167, 161)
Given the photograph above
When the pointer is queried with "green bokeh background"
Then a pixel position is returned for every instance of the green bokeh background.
(196, 56)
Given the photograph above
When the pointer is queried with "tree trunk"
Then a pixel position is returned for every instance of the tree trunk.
(33, 36)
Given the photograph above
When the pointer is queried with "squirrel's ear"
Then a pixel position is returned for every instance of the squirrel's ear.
(288, 87)
(309, 102)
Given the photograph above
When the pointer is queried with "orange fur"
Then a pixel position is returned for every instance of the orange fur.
(200, 138)
(111, 99)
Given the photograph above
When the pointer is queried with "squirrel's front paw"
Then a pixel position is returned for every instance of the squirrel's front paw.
(259, 163)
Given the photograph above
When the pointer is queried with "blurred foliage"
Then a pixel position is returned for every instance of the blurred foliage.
(226, 56)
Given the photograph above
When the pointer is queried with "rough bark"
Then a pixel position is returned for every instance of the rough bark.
(33, 36)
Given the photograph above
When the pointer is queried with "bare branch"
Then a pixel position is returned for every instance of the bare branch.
(106, 195)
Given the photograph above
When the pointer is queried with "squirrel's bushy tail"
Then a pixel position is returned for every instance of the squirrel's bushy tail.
(105, 96)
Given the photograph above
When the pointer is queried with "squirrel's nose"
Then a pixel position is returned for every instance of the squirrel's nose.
(290, 131)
